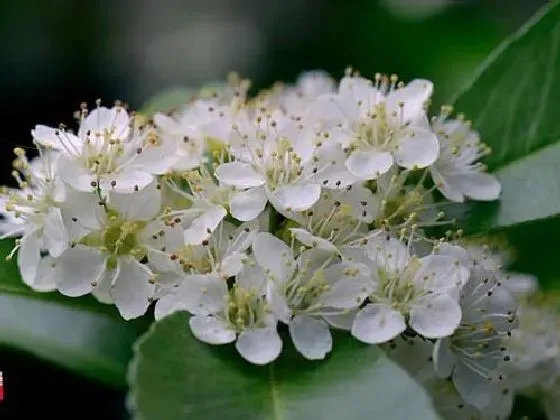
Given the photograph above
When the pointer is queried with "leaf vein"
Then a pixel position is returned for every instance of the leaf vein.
(546, 89)
(276, 412)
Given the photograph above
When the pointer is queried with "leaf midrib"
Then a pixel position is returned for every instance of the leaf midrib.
(276, 411)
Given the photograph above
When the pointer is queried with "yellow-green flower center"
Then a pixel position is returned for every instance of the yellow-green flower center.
(119, 238)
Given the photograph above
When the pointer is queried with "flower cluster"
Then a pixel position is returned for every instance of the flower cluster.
(307, 208)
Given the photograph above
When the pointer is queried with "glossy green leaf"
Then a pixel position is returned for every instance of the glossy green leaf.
(530, 192)
(513, 100)
(79, 334)
(174, 376)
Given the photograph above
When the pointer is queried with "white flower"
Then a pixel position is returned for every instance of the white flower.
(33, 212)
(448, 402)
(418, 292)
(206, 201)
(450, 405)
(534, 346)
(221, 316)
(108, 153)
(304, 293)
(380, 123)
(494, 259)
(404, 201)
(278, 161)
(199, 127)
(309, 86)
(473, 354)
(340, 218)
(107, 259)
(222, 255)
(414, 354)
(457, 172)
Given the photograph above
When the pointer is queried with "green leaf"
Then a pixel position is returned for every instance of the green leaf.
(79, 334)
(174, 98)
(174, 376)
(530, 192)
(168, 100)
(513, 100)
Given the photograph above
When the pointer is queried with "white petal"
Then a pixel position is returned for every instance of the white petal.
(450, 191)
(414, 97)
(333, 108)
(314, 83)
(441, 273)
(417, 149)
(444, 359)
(158, 158)
(390, 255)
(369, 164)
(311, 337)
(249, 204)
(309, 240)
(132, 289)
(66, 142)
(329, 160)
(377, 323)
(243, 236)
(202, 294)
(520, 284)
(168, 304)
(350, 285)
(356, 92)
(166, 125)
(312, 260)
(480, 186)
(456, 251)
(45, 281)
(102, 292)
(101, 120)
(156, 235)
(211, 330)
(435, 316)
(75, 175)
(240, 174)
(355, 254)
(276, 299)
(55, 234)
(77, 268)
(342, 321)
(85, 207)
(29, 256)
(474, 388)
(252, 276)
(144, 204)
(362, 202)
(231, 265)
(296, 197)
(259, 345)
(274, 255)
(202, 227)
(126, 181)
(160, 262)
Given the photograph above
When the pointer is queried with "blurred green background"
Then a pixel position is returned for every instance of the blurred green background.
(56, 54)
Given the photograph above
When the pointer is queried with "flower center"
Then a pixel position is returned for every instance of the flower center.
(305, 295)
(397, 287)
(283, 165)
(104, 162)
(376, 129)
(245, 309)
(119, 238)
